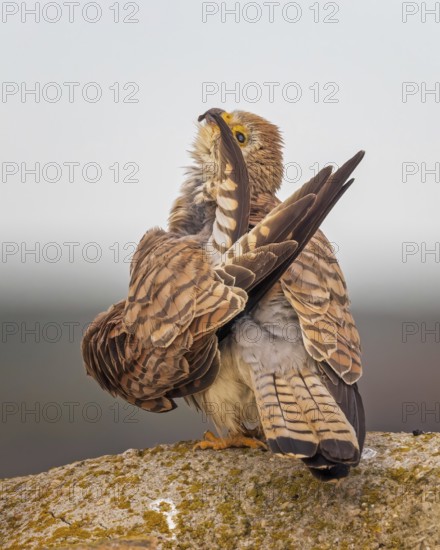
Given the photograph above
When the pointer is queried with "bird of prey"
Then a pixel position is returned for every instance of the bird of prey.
(235, 257)
(161, 343)
(295, 355)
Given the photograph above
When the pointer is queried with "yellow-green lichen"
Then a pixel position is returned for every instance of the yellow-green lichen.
(155, 522)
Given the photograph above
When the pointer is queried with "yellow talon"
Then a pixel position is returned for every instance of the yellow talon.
(211, 441)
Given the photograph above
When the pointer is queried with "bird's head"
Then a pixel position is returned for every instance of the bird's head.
(260, 143)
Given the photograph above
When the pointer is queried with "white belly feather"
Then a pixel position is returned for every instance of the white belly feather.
(269, 339)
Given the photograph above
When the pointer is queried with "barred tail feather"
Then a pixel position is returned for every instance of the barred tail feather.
(286, 429)
(301, 418)
(337, 438)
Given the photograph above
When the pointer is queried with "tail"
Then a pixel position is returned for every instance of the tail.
(301, 418)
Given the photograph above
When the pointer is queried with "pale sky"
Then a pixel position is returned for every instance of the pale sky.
(362, 62)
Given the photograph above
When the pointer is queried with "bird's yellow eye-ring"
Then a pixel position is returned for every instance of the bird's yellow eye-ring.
(240, 135)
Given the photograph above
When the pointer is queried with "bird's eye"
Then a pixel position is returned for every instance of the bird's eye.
(240, 137)
(240, 134)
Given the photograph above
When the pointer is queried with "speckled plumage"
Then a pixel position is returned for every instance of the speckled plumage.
(161, 343)
(267, 385)
(235, 258)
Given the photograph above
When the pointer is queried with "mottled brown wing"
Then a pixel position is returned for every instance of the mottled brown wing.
(261, 205)
(315, 286)
(122, 366)
(160, 343)
(146, 349)
(329, 188)
(172, 284)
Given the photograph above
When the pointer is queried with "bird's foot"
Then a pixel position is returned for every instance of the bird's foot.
(211, 441)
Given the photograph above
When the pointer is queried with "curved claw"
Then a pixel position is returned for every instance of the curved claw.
(211, 441)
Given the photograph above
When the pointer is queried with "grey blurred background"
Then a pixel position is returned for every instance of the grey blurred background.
(364, 76)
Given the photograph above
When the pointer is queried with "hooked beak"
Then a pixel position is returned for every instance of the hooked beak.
(211, 116)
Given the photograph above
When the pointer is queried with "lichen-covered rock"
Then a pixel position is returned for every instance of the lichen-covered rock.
(173, 497)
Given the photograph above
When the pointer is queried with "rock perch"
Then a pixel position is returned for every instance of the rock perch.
(172, 497)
